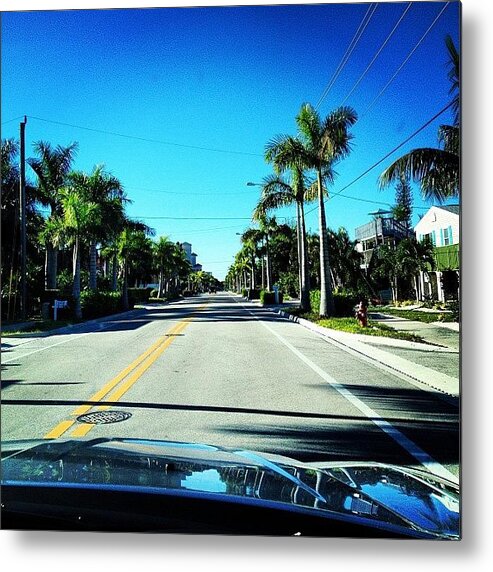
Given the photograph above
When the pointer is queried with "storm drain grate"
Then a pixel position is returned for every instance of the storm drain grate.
(103, 417)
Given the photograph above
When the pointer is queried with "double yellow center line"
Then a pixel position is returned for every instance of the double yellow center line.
(128, 376)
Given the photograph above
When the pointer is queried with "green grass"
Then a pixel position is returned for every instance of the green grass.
(352, 326)
(37, 327)
(426, 317)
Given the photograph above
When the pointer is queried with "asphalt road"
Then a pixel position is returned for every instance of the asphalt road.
(218, 370)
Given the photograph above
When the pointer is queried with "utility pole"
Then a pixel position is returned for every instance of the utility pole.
(22, 209)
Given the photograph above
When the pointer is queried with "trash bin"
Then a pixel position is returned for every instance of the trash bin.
(45, 310)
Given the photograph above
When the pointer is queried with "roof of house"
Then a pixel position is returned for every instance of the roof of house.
(451, 208)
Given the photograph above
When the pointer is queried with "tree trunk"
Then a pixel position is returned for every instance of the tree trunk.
(326, 298)
(125, 286)
(267, 263)
(416, 287)
(93, 278)
(161, 280)
(76, 277)
(51, 266)
(114, 273)
(298, 245)
(305, 271)
(253, 284)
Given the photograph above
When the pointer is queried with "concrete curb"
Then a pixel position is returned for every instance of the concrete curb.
(426, 378)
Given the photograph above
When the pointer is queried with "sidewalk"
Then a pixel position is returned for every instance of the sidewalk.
(446, 334)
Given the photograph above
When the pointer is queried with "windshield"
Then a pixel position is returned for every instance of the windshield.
(191, 301)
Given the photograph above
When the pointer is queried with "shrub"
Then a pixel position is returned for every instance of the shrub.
(244, 292)
(344, 303)
(454, 307)
(95, 304)
(266, 297)
(253, 294)
(315, 301)
(289, 283)
(138, 295)
(269, 298)
(154, 292)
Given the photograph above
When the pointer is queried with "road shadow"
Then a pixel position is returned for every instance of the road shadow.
(329, 436)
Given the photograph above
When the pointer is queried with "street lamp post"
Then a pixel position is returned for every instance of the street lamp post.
(22, 210)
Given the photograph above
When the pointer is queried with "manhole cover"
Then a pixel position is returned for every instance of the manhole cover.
(102, 417)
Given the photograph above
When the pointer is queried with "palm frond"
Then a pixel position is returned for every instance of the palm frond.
(454, 77)
(449, 137)
(437, 171)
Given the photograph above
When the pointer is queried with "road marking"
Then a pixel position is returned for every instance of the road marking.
(411, 447)
(65, 425)
(84, 428)
(147, 358)
(47, 347)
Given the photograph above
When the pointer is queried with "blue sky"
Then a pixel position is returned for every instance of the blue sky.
(210, 87)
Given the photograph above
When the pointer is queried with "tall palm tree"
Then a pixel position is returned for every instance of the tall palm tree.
(131, 246)
(267, 226)
(251, 239)
(76, 223)
(277, 193)
(436, 169)
(105, 190)
(163, 254)
(180, 267)
(325, 142)
(52, 166)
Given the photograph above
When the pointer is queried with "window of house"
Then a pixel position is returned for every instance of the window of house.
(429, 236)
(447, 236)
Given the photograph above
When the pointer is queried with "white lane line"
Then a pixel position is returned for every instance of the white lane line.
(411, 447)
(76, 337)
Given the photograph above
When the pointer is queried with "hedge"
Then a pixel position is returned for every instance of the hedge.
(343, 303)
(95, 304)
(139, 295)
(268, 298)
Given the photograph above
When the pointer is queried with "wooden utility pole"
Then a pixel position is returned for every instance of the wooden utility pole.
(22, 210)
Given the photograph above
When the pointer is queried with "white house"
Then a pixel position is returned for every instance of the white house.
(441, 225)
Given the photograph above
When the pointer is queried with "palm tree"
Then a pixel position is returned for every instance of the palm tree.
(277, 193)
(76, 223)
(346, 260)
(180, 267)
(325, 142)
(163, 254)
(436, 169)
(404, 262)
(415, 257)
(251, 239)
(105, 190)
(267, 225)
(52, 167)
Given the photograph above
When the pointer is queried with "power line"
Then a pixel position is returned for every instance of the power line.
(187, 193)
(404, 62)
(378, 52)
(191, 218)
(14, 119)
(349, 50)
(388, 154)
(145, 139)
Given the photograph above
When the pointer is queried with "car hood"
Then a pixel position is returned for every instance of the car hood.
(387, 494)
